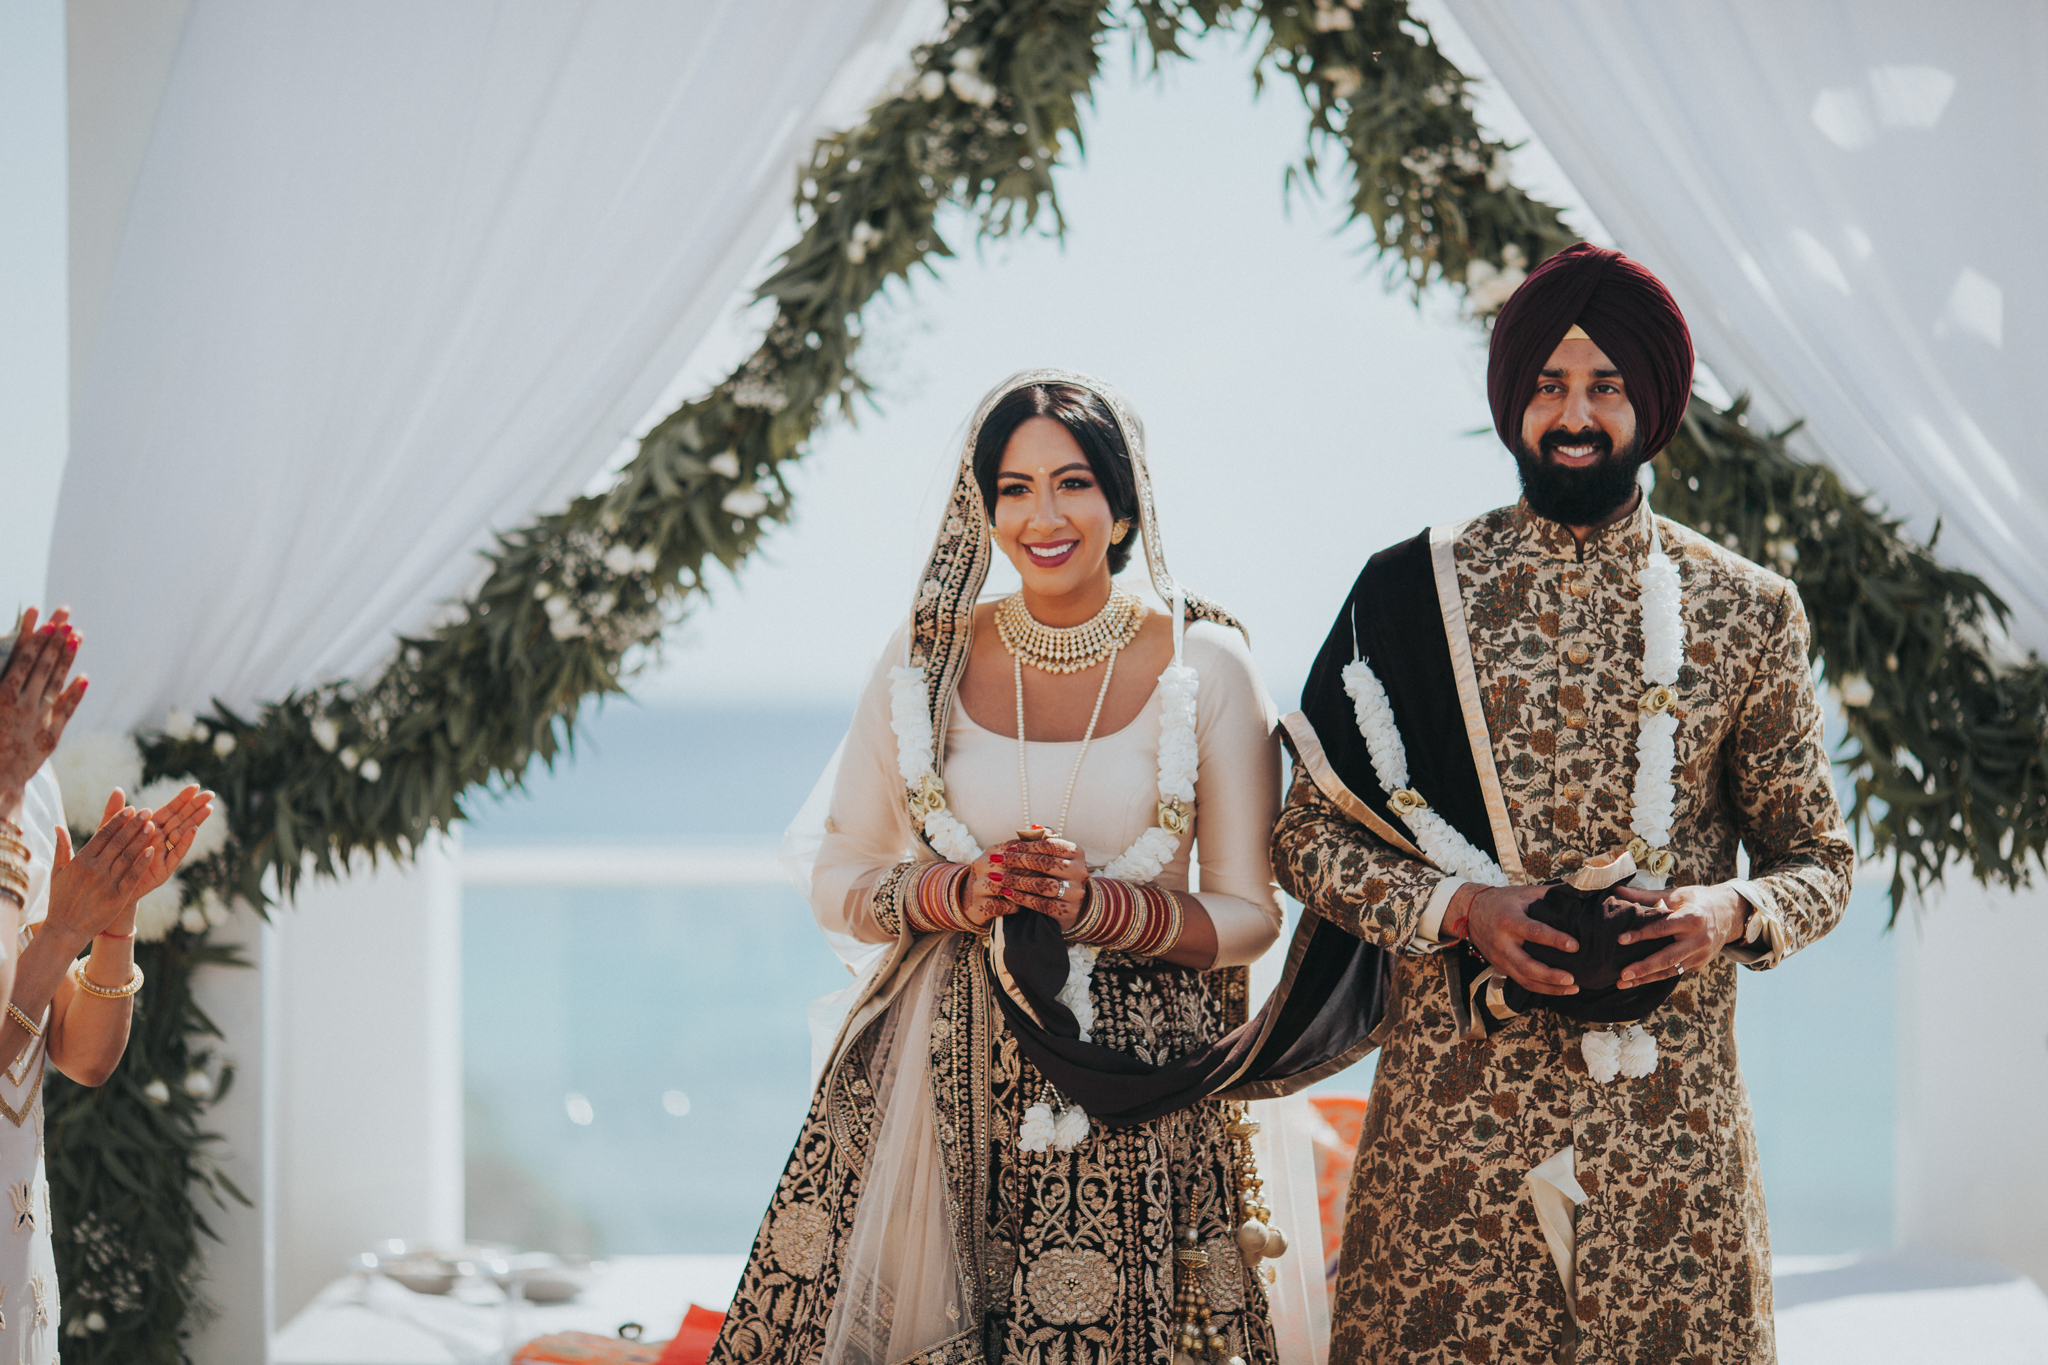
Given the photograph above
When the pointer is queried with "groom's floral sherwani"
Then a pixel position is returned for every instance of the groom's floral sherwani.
(1444, 1260)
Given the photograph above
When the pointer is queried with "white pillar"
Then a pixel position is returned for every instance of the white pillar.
(345, 1123)
(1972, 1155)
(369, 1070)
(239, 1279)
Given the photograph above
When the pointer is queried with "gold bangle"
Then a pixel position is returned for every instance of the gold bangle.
(121, 992)
(1090, 918)
(34, 1031)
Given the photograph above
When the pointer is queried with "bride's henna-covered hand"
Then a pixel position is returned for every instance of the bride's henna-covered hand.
(35, 702)
(1047, 875)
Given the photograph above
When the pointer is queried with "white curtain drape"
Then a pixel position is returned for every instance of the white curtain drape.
(1846, 198)
(395, 276)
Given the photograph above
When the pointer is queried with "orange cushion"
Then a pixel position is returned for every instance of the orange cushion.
(692, 1343)
(585, 1348)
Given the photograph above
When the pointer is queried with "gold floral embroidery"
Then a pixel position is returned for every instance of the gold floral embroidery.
(1070, 1285)
(1225, 1275)
(799, 1238)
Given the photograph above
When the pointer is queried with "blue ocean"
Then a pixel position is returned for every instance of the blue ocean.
(637, 1060)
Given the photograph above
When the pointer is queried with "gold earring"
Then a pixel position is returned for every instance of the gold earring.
(1119, 531)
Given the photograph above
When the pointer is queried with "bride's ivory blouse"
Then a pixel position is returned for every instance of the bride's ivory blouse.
(1116, 797)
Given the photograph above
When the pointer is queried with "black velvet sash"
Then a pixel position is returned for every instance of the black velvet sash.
(1337, 986)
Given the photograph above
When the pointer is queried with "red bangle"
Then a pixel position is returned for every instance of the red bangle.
(104, 934)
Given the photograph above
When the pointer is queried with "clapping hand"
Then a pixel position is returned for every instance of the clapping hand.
(131, 854)
(177, 823)
(35, 703)
(97, 885)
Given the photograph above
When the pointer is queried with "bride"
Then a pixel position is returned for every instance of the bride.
(1064, 753)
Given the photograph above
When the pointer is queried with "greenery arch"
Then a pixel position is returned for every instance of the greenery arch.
(1948, 750)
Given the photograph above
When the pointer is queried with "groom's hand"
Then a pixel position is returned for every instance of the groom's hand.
(1498, 924)
(1699, 921)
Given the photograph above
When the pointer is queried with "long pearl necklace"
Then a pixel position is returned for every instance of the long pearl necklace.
(1023, 774)
(1069, 649)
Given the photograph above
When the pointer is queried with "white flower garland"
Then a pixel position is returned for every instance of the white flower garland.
(1653, 802)
(1144, 860)
(1440, 843)
(1149, 853)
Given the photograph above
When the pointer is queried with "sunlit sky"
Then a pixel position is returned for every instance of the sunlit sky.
(1300, 415)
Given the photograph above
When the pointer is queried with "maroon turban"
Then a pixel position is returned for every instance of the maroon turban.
(1626, 311)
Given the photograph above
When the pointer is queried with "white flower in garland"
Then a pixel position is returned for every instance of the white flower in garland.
(967, 82)
(159, 912)
(1602, 1051)
(1638, 1055)
(1070, 1129)
(89, 764)
(1035, 1134)
(1655, 799)
(1443, 845)
(745, 501)
(1074, 994)
(865, 237)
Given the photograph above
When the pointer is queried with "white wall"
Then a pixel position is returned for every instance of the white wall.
(34, 403)
(1972, 1155)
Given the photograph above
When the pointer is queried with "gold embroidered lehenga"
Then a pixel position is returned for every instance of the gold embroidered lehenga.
(909, 1225)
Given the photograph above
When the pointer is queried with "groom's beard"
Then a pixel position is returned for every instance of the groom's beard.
(1578, 497)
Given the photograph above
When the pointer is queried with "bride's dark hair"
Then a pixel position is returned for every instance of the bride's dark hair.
(1089, 421)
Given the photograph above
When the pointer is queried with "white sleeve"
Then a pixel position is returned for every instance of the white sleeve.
(1237, 795)
(867, 828)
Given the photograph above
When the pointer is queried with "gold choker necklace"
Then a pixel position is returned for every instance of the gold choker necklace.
(1069, 649)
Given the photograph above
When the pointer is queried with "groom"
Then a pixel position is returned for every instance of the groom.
(1510, 1201)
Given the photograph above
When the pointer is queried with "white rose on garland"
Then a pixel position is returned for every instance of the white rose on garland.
(88, 765)
(159, 912)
